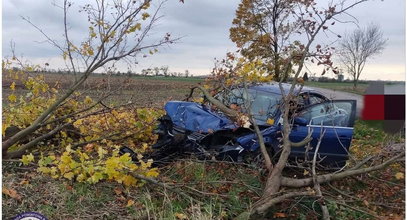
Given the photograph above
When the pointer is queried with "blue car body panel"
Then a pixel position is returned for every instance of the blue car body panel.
(196, 117)
(249, 142)
(334, 145)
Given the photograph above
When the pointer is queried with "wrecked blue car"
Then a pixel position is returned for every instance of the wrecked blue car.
(194, 128)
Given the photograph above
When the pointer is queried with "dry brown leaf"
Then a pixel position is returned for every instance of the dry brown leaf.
(279, 215)
(234, 106)
(12, 193)
(121, 198)
(181, 216)
(118, 191)
(366, 202)
(89, 148)
(24, 182)
(398, 217)
(130, 202)
(399, 175)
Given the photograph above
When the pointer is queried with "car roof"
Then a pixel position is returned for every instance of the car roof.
(273, 87)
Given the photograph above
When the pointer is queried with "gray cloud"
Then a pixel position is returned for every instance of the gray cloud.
(203, 24)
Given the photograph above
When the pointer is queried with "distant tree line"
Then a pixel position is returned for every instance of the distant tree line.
(162, 71)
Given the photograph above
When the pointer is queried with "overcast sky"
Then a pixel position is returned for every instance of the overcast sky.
(204, 26)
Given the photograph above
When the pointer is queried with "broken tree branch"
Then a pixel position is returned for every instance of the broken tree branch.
(229, 112)
(296, 183)
(317, 187)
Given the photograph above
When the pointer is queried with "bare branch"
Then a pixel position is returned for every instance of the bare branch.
(317, 188)
(21, 150)
(295, 183)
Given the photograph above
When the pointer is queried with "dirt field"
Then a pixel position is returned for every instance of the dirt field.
(142, 91)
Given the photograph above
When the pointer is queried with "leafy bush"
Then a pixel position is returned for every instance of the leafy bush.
(88, 149)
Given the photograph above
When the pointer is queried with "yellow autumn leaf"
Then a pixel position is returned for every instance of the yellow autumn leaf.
(270, 121)
(88, 100)
(146, 5)
(13, 86)
(3, 129)
(152, 173)
(130, 202)
(96, 177)
(12, 98)
(68, 148)
(69, 175)
(81, 177)
(144, 146)
(128, 180)
(64, 134)
(101, 152)
(83, 156)
(66, 158)
(198, 100)
(145, 15)
(53, 172)
(92, 32)
(90, 51)
(44, 170)
(26, 159)
(399, 175)
(137, 26)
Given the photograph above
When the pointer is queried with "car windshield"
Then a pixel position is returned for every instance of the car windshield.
(263, 105)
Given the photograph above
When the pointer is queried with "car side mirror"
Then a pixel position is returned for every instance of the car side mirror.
(300, 121)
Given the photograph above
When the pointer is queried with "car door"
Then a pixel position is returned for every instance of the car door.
(334, 118)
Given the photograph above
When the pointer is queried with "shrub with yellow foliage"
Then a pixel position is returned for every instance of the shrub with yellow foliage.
(89, 153)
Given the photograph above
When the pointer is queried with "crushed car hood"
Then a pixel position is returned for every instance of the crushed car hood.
(196, 117)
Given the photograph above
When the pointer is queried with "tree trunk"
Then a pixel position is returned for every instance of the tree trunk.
(355, 84)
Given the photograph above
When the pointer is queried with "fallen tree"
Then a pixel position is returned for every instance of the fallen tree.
(233, 72)
(117, 31)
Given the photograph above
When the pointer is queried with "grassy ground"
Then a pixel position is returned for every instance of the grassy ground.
(223, 190)
(220, 190)
(341, 86)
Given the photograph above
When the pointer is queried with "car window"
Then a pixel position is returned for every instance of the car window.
(315, 99)
(263, 105)
(328, 114)
(237, 96)
(298, 104)
(303, 100)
